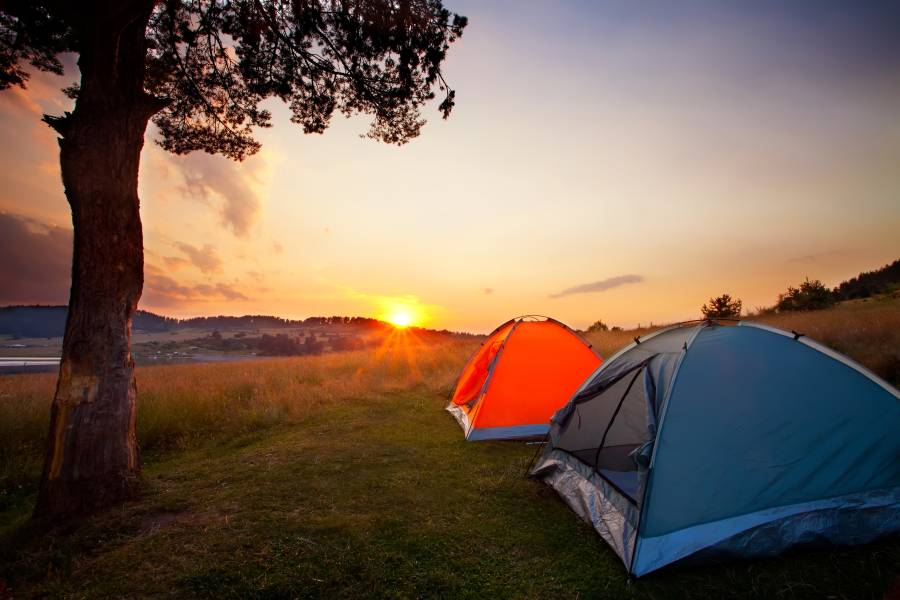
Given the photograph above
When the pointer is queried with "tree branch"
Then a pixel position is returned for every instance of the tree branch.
(59, 124)
(149, 104)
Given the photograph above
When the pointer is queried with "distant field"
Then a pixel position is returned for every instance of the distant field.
(142, 343)
(341, 476)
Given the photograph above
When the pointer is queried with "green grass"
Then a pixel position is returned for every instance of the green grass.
(341, 476)
(376, 498)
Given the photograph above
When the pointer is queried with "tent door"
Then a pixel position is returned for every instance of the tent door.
(605, 431)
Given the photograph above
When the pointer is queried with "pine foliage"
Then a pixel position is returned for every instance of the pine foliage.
(721, 307)
(210, 63)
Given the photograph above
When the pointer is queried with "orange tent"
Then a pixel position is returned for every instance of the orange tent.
(520, 376)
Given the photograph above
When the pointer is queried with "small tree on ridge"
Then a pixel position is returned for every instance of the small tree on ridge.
(811, 295)
(721, 307)
(598, 326)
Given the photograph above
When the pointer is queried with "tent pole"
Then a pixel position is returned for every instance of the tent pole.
(543, 442)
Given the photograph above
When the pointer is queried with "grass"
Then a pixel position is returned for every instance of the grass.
(342, 476)
(181, 407)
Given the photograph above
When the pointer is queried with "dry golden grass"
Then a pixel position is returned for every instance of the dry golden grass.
(180, 403)
(185, 405)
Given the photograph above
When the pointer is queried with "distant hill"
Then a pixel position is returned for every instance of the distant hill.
(50, 321)
(33, 321)
(868, 284)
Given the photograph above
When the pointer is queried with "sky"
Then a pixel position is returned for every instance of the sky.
(615, 160)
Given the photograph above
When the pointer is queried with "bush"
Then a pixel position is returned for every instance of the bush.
(347, 344)
(811, 295)
(280, 345)
(723, 306)
(598, 326)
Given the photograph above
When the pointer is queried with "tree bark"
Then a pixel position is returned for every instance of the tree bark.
(92, 458)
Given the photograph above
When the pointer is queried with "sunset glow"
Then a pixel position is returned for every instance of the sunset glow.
(704, 148)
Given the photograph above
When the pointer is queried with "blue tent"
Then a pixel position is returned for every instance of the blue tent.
(707, 442)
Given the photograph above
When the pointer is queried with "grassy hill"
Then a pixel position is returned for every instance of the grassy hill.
(341, 476)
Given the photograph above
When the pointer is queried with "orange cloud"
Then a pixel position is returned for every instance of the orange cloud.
(162, 290)
(206, 259)
(220, 182)
(175, 262)
(36, 263)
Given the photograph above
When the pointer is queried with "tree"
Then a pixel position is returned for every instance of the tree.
(811, 295)
(347, 344)
(311, 346)
(598, 326)
(279, 345)
(198, 69)
(723, 306)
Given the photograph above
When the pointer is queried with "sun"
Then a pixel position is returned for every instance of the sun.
(400, 320)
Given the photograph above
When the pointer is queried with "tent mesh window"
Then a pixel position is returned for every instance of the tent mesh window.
(605, 429)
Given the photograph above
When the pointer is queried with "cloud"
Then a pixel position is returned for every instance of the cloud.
(206, 259)
(162, 290)
(155, 280)
(174, 262)
(36, 267)
(600, 286)
(262, 275)
(276, 247)
(487, 291)
(229, 292)
(35, 261)
(220, 289)
(234, 189)
(810, 257)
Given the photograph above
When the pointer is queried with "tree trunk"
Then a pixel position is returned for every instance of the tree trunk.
(92, 459)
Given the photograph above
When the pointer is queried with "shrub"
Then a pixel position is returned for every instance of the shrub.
(811, 295)
(280, 345)
(598, 326)
(723, 306)
(347, 344)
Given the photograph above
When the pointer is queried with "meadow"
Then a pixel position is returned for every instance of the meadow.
(341, 476)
